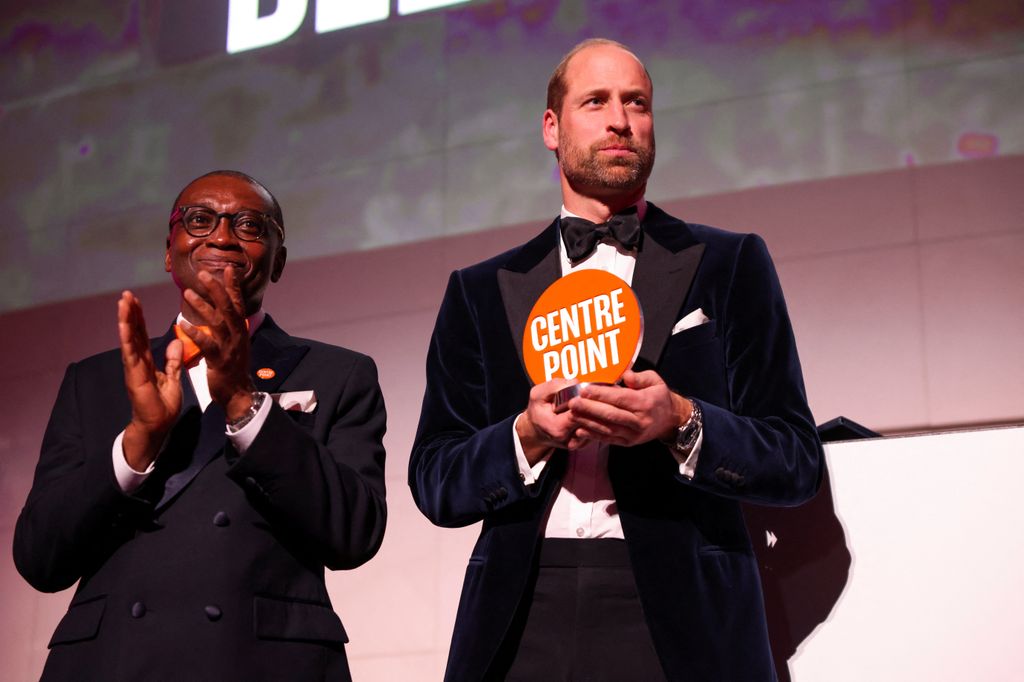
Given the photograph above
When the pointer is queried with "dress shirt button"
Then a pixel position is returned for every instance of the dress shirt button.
(221, 519)
(213, 613)
(580, 532)
(138, 610)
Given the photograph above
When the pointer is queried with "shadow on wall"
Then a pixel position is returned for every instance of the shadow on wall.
(803, 558)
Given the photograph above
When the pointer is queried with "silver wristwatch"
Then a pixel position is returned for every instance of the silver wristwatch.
(236, 425)
(687, 434)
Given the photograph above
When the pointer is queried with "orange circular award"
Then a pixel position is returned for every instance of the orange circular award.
(587, 326)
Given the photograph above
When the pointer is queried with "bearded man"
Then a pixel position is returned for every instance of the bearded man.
(612, 544)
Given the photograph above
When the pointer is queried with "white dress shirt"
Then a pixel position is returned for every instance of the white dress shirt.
(585, 504)
(129, 479)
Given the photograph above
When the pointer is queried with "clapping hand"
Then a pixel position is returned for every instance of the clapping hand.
(225, 345)
(155, 395)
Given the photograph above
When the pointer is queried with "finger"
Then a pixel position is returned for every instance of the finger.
(234, 291)
(207, 344)
(639, 380)
(132, 331)
(123, 326)
(602, 415)
(203, 307)
(579, 440)
(545, 392)
(172, 365)
(588, 435)
(555, 428)
(219, 296)
(141, 335)
(215, 288)
(599, 427)
(623, 398)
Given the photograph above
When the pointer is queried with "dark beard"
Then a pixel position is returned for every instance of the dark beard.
(617, 173)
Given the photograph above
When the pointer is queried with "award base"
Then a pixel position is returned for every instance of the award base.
(563, 396)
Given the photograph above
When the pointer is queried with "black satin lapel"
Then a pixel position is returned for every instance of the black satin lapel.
(208, 443)
(272, 358)
(520, 290)
(661, 282)
(189, 400)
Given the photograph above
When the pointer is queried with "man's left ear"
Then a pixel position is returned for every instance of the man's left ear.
(279, 260)
(167, 256)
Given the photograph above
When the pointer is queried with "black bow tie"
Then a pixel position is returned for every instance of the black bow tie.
(581, 236)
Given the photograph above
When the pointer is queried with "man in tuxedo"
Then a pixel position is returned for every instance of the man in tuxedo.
(197, 484)
(613, 545)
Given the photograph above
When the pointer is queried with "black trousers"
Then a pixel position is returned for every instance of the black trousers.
(580, 621)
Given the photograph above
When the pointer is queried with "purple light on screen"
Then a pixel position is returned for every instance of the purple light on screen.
(84, 149)
(755, 19)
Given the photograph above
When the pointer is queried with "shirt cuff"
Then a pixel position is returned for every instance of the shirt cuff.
(127, 478)
(243, 437)
(527, 474)
(688, 465)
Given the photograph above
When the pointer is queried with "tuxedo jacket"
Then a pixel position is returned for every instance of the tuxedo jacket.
(214, 568)
(695, 572)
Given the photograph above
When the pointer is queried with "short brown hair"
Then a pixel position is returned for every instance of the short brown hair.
(557, 86)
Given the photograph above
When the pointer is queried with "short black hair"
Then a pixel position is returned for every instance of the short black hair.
(277, 213)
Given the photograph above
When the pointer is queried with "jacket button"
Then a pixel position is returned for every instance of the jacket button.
(502, 493)
(221, 519)
(138, 610)
(212, 613)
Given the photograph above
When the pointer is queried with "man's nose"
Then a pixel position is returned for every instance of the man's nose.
(222, 233)
(618, 119)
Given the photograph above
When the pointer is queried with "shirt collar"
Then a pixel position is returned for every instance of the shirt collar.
(641, 210)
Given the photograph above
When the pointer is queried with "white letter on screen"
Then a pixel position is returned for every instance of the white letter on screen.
(413, 6)
(334, 14)
(248, 30)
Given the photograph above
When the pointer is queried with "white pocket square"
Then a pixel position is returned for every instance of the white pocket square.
(296, 401)
(693, 319)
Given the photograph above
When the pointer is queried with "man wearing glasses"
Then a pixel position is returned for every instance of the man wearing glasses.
(196, 485)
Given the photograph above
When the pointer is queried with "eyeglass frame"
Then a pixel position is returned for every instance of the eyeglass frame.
(179, 214)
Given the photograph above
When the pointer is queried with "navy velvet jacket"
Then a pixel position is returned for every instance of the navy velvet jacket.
(219, 576)
(692, 560)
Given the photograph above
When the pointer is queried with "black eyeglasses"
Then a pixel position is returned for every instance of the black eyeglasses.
(246, 225)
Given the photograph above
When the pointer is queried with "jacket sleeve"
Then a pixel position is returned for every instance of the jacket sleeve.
(463, 465)
(760, 444)
(329, 495)
(75, 513)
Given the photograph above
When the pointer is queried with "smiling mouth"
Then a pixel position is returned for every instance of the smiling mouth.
(219, 264)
